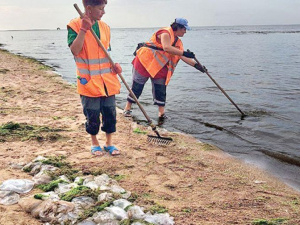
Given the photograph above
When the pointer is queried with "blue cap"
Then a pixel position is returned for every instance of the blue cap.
(183, 22)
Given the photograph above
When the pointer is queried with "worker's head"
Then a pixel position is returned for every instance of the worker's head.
(180, 26)
(94, 8)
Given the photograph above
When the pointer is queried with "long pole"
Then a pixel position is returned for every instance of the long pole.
(243, 114)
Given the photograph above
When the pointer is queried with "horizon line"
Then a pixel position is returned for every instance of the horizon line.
(58, 28)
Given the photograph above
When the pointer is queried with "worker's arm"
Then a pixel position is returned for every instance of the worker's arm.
(167, 46)
(77, 44)
(189, 61)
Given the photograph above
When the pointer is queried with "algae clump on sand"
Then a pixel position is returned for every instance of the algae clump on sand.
(12, 131)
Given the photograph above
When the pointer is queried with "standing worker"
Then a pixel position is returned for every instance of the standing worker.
(97, 81)
(157, 60)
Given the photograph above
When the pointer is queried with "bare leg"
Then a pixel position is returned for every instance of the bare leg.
(161, 110)
(95, 142)
(128, 106)
(108, 139)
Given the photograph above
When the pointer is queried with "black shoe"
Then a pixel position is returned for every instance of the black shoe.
(162, 119)
(127, 113)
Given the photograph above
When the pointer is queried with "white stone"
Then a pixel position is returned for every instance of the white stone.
(122, 203)
(105, 197)
(119, 213)
(136, 213)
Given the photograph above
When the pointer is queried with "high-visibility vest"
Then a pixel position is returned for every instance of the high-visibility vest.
(93, 65)
(154, 60)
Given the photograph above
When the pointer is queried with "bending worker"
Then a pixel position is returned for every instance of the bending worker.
(157, 60)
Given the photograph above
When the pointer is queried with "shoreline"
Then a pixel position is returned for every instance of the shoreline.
(198, 183)
(248, 153)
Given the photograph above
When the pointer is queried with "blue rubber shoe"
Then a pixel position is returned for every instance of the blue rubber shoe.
(95, 149)
(112, 150)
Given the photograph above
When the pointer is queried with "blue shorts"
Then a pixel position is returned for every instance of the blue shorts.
(92, 107)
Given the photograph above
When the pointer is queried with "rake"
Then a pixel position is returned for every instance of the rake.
(159, 140)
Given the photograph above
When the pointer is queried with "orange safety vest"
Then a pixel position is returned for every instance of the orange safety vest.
(93, 65)
(154, 60)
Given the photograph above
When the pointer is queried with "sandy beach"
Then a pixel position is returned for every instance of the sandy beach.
(196, 182)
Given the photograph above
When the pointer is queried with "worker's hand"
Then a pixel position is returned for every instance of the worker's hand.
(189, 54)
(86, 23)
(118, 68)
(200, 68)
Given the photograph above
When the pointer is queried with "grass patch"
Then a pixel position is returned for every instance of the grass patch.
(186, 210)
(80, 191)
(133, 197)
(158, 209)
(139, 131)
(200, 179)
(57, 161)
(50, 186)
(118, 177)
(64, 168)
(14, 132)
(39, 196)
(74, 193)
(91, 211)
(44, 67)
(277, 221)
(80, 182)
(296, 201)
(69, 172)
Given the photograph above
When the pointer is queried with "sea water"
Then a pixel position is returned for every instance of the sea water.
(258, 67)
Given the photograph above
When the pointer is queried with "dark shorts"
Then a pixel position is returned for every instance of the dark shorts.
(93, 107)
(158, 88)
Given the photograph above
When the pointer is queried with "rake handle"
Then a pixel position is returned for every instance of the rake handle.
(120, 75)
(223, 91)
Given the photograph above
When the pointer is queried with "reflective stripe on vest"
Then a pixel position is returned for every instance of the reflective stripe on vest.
(94, 72)
(93, 65)
(91, 61)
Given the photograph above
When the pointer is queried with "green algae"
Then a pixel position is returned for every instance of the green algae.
(158, 209)
(80, 191)
(277, 221)
(57, 161)
(39, 196)
(118, 177)
(139, 131)
(74, 193)
(50, 186)
(12, 131)
(98, 207)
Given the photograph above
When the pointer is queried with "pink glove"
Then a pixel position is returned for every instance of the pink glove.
(86, 23)
(118, 68)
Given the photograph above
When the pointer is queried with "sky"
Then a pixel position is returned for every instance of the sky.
(50, 14)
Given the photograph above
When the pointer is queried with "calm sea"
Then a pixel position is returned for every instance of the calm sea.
(258, 66)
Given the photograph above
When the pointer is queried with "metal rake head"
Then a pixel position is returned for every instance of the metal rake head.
(159, 140)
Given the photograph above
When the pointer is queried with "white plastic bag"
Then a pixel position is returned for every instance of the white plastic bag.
(20, 186)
